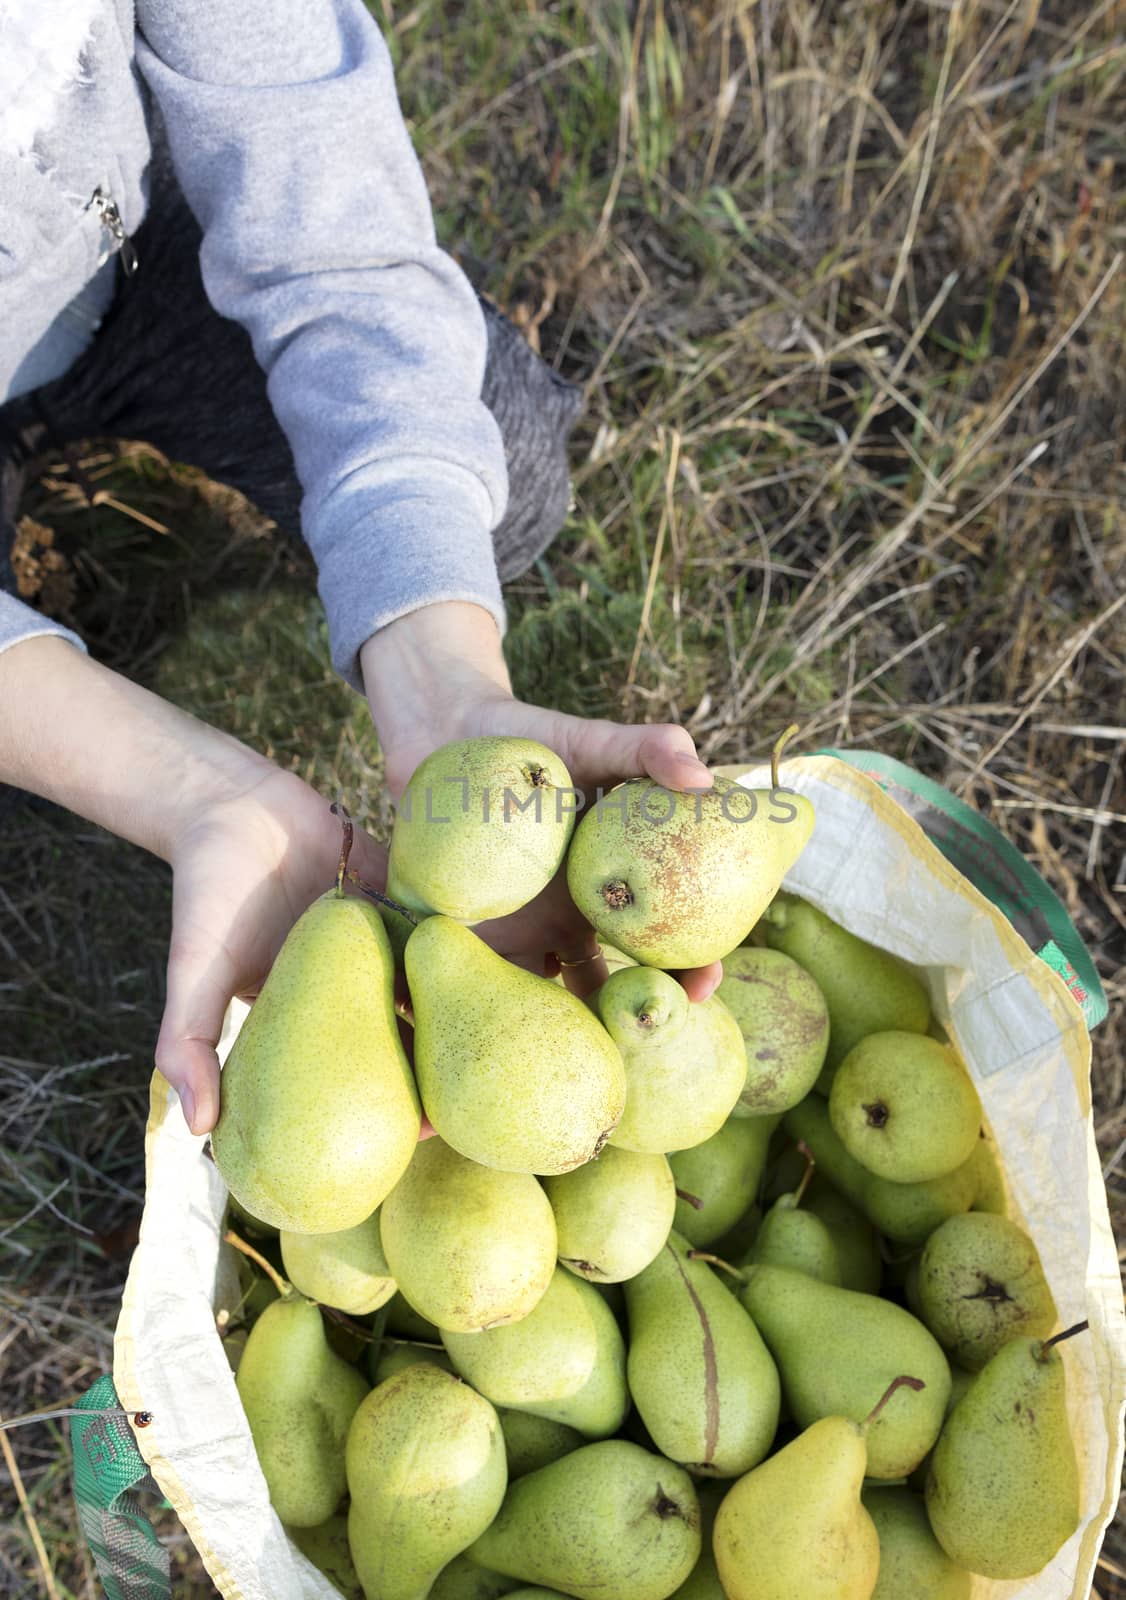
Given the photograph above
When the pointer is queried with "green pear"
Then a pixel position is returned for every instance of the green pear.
(716, 1181)
(991, 1194)
(857, 1243)
(482, 827)
(678, 880)
(700, 1376)
(514, 1072)
(796, 1525)
(532, 1442)
(684, 1064)
(1003, 1491)
(326, 1546)
(907, 1213)
(299, 1400)
(613, 1214)
(608, 1522)
(784, 1021)
(913, 1565)
(702, 1583)
(319, 1115)
(463, 1579)
(866, 989)
(347, 1270)
(792, 1237)
(565, 1360)
(836, 1348)
(426, 1475)
(253, 1227)
(904, 1106)
(980, 1285)
(450, 1236)
(402, 1320)
(388, 1357)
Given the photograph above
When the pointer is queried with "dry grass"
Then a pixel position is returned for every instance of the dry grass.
(845, 285)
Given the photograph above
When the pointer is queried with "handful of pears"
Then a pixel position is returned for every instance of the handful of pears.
(716, 1300)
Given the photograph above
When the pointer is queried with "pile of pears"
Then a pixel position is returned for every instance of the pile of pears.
(713, 1300)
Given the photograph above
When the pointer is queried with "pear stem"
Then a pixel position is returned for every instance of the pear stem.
(275, 1277)
(896, 1383)
(345, 1321)
(412, 1344)
(810, 1164)
(1058, 1338)
(782, 740)
(341, 811)
(139, 1419)
(692, 1200)
(717, 1261)
(382, 899)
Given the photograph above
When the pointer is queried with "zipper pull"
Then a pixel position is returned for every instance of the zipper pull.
(106, 207)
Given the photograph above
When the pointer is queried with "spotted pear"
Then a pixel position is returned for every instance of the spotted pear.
(613, 1214)
(912, 1562)
(784, 1021)
(677, 880)
(299, 1399)
(514, 1072)
(611, 1521)
(716, 1182)
(684, 1064)
(792, 1237)
(319, 1115)
(905, 1107)
(482, 827)
(980, 1285)
(469, 1247)
(346, 1270)
(532, 1442)
(866, 989)
(426, 1475)
(565, 1360)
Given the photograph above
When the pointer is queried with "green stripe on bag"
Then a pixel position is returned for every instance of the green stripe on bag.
(108, 1472)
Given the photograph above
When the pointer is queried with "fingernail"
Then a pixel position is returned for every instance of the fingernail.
(187, 1106)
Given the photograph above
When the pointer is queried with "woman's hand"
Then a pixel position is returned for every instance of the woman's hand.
(438, 674)
(243, 871)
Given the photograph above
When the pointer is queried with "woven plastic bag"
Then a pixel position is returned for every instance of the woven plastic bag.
(869, 866)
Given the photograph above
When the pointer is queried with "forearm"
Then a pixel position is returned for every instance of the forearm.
(73, 732)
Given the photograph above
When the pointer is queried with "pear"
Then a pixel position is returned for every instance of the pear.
(565, 1360)
(463, 1579)
(426, 1475)
(613, 1214)
(482, 827)
(532, 1442)
(608, 1522)
(856, 1241)
(907, 1213)
(784, 1021)
(866, 989)
(796, 1525)
(469, 1247)
(402, 1320)
(678, 880)
(791, 1237)
(716, 1182)
(386, 1358)
(319, 1115)
(904, 1106)
(684, 1064)
(299, 1400)
(514, 1072)
(991, 1195)
(700, 1376)
(980, 1285)
(835, 1348)
(347, 1270)
(1003, 1490)
(912, 1562)
(326, 1546)
(253, 1227)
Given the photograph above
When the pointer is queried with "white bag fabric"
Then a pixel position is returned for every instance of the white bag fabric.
(871, 868)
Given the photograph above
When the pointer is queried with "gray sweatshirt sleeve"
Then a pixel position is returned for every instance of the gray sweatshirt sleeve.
(286, 135)
(19, 622)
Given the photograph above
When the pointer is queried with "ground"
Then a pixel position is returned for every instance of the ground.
(844, 285)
